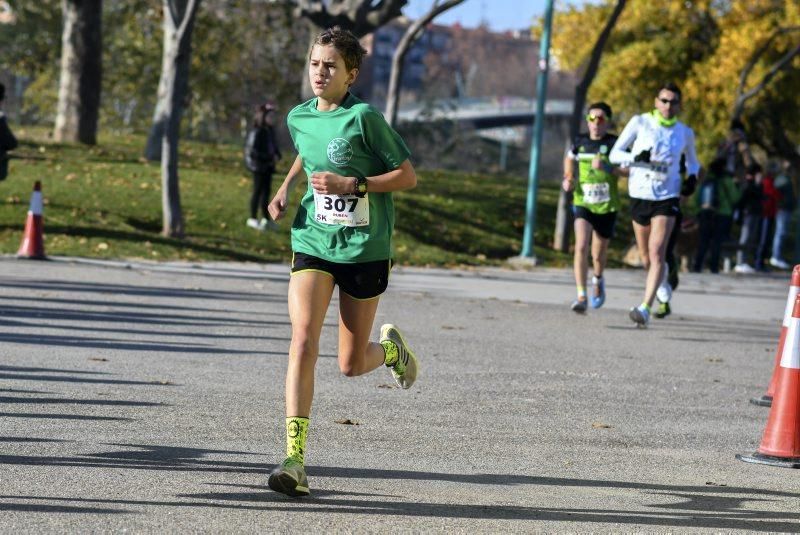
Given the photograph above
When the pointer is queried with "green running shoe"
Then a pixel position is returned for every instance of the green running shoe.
(404, 369)
(289, 478)
(663, 310)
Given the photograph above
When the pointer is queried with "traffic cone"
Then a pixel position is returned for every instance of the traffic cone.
(780, 445)
(33, 241)
(794, 289)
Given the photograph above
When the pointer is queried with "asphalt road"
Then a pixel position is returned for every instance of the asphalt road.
(148, 397)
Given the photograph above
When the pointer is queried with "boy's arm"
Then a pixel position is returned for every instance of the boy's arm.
(404, 177)
(327, 183)
(277, 207)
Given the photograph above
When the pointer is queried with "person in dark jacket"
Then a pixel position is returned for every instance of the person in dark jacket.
(715, 199)
(261, 151)
(7, 140)
(749, 208)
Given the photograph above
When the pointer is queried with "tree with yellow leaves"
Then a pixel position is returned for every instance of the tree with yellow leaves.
(732, 59)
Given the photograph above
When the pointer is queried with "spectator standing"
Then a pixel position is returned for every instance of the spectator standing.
(786, 204)
(770, 198)
(749, 216)
(715, 199)
(260, 154)
(7, 140)
(735, 151)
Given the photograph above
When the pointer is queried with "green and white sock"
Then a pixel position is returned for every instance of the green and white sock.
(581, 293)
(296, 432)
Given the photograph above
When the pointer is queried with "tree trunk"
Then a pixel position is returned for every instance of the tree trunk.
(561, 235)
(173, 87)
(81, 71)
(413, 33)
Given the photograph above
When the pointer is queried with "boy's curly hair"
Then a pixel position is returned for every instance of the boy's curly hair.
(346, 43)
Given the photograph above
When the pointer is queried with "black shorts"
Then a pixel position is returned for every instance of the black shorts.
(642, 210)
(603, 224)
(362, 280)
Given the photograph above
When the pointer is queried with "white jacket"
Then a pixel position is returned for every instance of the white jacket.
(660, 179)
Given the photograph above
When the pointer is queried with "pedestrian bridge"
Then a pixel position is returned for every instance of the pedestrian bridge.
(484, 113)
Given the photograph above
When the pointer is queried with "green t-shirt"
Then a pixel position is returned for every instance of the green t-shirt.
(352, 140)
(596, 189)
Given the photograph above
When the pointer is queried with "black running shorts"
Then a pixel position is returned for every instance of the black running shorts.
(362, 280)
(642, 211)
(603, 224)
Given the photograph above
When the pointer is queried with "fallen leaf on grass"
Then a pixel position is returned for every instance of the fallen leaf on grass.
(347, 421)
(600, 425)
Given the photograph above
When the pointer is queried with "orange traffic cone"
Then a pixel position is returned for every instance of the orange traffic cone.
(794, 289)
(33, 241)
(780, 445)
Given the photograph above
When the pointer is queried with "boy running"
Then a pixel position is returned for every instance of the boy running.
(341, 236)
(595, 203)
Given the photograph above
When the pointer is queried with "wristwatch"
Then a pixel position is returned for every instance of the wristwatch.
(361, 186)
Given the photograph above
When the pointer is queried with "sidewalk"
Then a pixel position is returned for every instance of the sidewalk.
(149, 397)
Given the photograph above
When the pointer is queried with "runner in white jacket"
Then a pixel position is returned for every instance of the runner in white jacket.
(651, 145)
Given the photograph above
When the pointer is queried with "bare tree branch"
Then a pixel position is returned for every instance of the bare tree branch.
(359, 16)
(743, 96)
(414, 32)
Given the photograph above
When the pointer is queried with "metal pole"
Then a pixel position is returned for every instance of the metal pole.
(538, 126)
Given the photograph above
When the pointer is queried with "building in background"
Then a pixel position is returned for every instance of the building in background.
(456, 62)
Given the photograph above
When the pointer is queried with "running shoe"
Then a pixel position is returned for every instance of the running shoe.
(579, 306)
(640, 316)
(599, 289)
(743, 268)
(252, 222)
(778, 263)
(289, 478)
(404, 370)
(663, 310)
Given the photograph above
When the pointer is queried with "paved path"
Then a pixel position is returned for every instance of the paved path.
(148, 397)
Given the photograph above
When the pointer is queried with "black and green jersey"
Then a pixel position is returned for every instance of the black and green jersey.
(352, 140)
(596, 189)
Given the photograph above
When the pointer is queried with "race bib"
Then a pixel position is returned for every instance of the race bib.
(346, 210)
(596, 193)
(657, 172)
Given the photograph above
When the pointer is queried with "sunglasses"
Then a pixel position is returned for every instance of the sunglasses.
(592, 118)
(673, 102)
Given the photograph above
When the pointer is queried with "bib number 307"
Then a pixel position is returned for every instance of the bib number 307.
(346, 210)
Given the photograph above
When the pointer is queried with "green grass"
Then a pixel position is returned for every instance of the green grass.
(105, 202)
